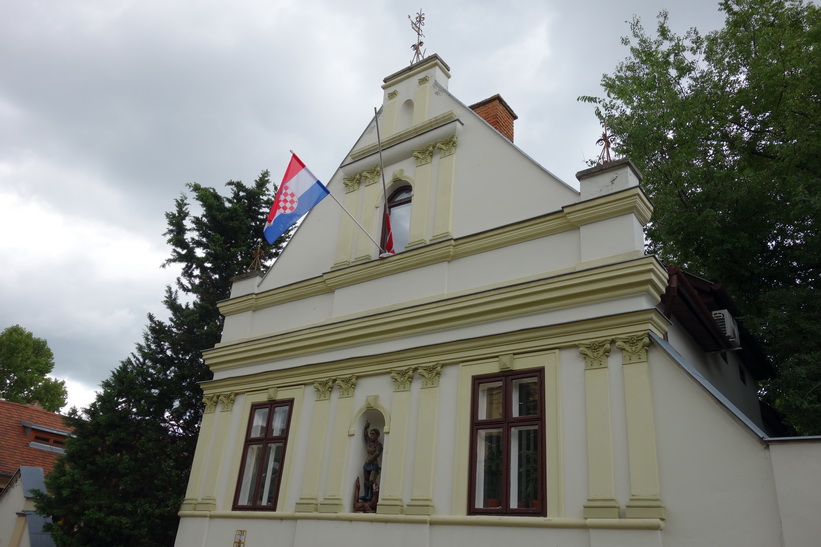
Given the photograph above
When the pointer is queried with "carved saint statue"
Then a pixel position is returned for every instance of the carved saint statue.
(371, 467)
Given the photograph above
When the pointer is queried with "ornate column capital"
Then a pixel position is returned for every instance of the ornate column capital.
(323, 389)
(352, 183)
(423, 156)
(633, 348)
(346, 386)
(372, 175)
(210, 402)
(227, 400)
(448, 146)
(595, 354)
(430, 375)
(402, 379)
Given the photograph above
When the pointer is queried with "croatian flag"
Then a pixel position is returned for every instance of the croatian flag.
(299, 192)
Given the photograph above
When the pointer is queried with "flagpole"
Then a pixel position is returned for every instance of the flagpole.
(357, 222)
(381, 163)
(382, 171)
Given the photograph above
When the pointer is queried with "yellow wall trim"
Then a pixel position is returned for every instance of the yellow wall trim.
(644, 276)
(512, 522)
(563, 335)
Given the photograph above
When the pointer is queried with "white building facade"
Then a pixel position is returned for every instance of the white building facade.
(520, 356)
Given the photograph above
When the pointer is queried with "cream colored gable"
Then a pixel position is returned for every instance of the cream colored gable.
(466, 179)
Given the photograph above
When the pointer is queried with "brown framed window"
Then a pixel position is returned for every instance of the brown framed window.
(507, 462)
(399, 206)
(262, 456)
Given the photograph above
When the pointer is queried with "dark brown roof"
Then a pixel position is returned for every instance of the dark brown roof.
(19, 424)
(691, 300)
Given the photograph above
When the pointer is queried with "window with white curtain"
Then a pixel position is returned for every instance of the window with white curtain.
(263, 455)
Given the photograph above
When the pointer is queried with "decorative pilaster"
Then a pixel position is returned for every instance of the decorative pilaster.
(205, 442)
(390, 109)
(421, 101)
(335, 483)
(645, 500)
(347, 228)
(219, 424)
(421, 196)
(601, 500)
(307, 501)
(371, 213)
(444, 189)
(424, 463)
(392, 484)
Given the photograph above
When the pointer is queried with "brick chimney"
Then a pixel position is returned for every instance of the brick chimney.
(498, 114)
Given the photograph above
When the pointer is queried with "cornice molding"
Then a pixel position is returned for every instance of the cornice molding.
(644, 276)
(409, 133)
(633, 200)
(564, 335)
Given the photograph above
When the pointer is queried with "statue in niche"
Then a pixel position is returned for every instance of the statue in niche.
(371, 467)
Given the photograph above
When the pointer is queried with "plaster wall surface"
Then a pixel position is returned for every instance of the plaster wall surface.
(11, 502)
(497, 184)
(797, 468)
(721, 372)
(716, 476)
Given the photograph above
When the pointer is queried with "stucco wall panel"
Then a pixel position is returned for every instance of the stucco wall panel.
(797, 469)
(716, 478)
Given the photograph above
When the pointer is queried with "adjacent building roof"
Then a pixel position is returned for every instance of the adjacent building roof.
(29, 436)
(691, 300)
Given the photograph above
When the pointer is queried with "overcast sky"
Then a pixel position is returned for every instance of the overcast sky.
(109, 107)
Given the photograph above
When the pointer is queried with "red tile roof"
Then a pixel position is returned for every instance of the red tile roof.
(15, 437)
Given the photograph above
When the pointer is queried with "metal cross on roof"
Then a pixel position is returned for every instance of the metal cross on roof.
(606, 142)
(416, 25)
(256, 263)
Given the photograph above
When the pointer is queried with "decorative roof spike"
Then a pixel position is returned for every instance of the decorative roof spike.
(606, 142)
(256, 264)
(416, 25)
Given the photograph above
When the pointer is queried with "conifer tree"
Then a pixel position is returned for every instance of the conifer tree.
(125, 471)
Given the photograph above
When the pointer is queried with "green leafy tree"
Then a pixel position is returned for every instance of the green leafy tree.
(25, 362)
(126, 468)
(726, 128)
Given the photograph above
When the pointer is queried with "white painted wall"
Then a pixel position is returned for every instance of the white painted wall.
(797, 469)
(716, 477)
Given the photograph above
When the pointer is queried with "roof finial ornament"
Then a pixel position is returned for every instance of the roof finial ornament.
(416, 25)
(606, 142)
(256, 263)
